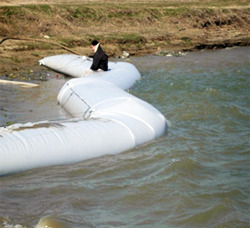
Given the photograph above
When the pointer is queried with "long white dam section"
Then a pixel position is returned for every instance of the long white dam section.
(105, 120)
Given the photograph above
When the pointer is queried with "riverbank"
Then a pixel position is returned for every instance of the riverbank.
(137, 27)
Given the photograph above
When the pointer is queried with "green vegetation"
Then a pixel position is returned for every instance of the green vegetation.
(82, 12)
(186, 39)
(126, 38)
(176, 11)
(41, 8)
(11, 11)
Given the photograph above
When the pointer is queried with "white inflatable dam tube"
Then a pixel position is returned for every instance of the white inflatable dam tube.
(121, 74)
(107, 120)
(61, 143)
(91, 98)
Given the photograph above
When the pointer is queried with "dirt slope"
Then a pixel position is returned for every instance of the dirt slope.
(139, 27)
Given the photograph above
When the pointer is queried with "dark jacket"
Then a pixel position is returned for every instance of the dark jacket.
(100, 60)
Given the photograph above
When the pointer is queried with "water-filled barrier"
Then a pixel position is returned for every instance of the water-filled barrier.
(105, 119)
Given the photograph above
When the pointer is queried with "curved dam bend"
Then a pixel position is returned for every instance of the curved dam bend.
(107, 120)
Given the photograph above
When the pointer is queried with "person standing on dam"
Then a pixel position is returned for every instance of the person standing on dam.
(100, 59)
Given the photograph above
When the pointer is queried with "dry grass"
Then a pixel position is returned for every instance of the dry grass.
(137, 26)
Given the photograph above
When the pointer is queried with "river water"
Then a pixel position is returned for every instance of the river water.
(197, 175)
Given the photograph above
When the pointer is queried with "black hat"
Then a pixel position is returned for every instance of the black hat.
(94, 42)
